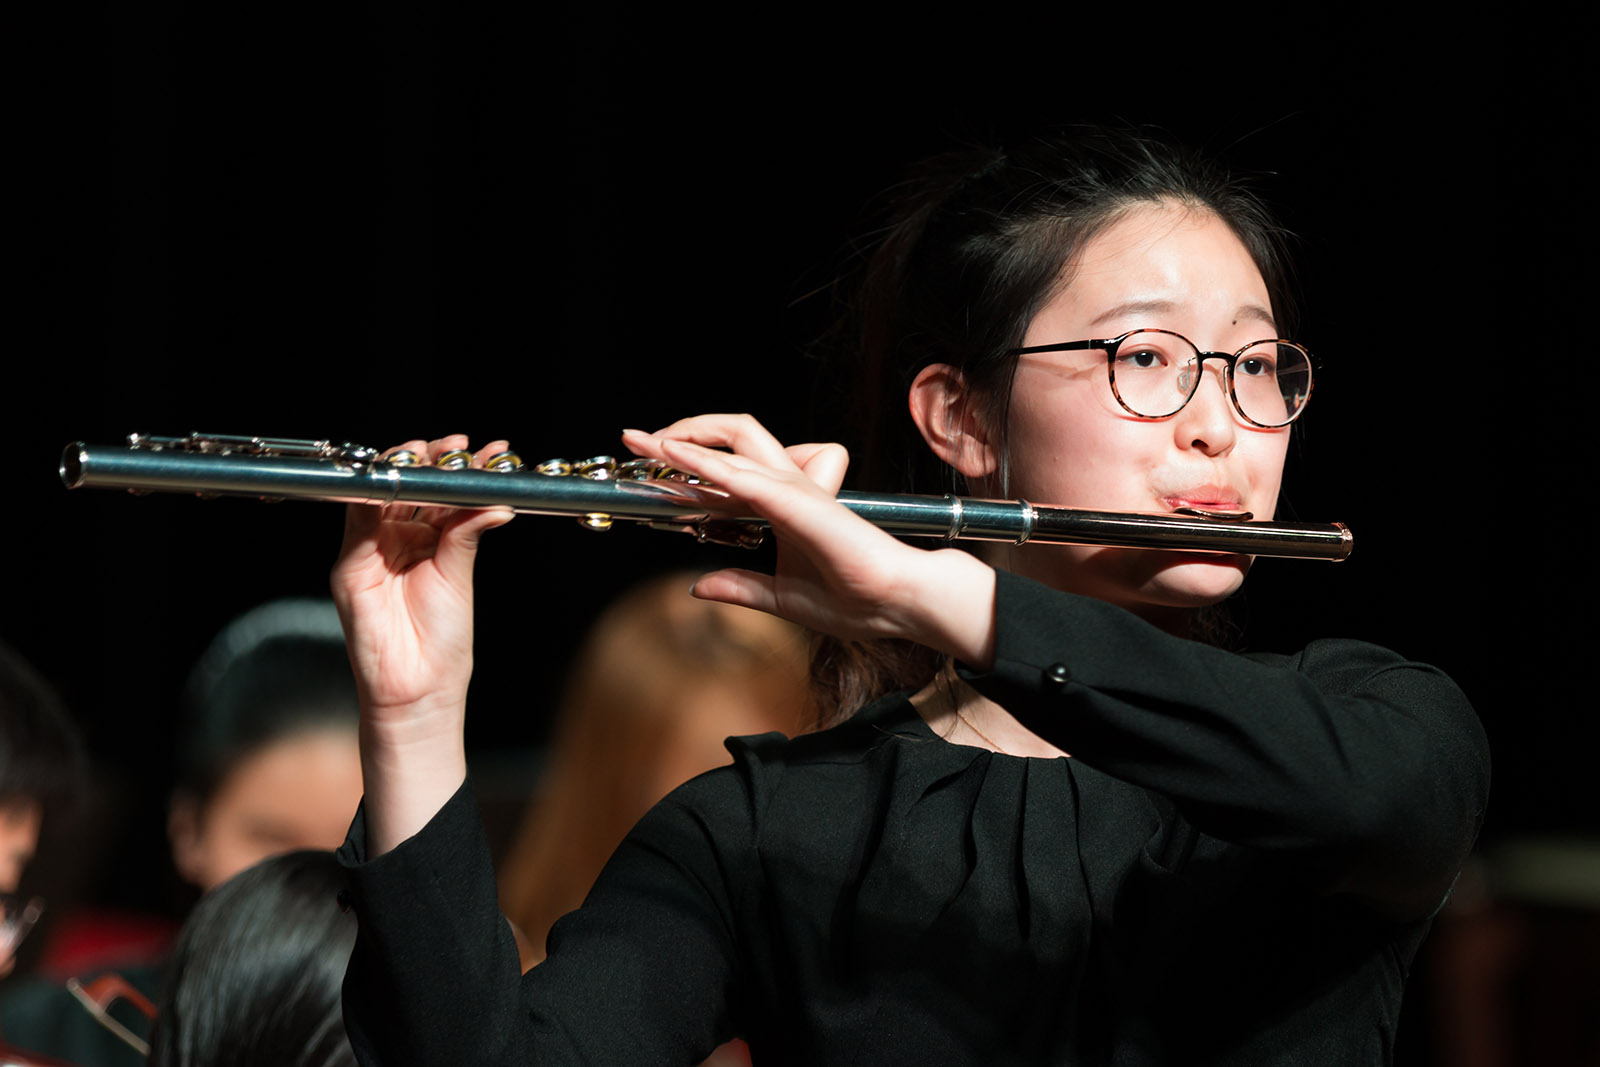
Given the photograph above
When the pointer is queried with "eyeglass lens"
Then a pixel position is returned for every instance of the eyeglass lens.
(1155, 373)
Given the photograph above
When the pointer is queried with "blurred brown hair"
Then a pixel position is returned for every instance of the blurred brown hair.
(660, 682)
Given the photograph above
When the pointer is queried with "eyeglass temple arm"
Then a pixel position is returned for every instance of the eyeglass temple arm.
(1064, 346)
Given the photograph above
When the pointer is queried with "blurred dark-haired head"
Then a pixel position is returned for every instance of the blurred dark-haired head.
(267, 757)
(256, 975)
(41, 762)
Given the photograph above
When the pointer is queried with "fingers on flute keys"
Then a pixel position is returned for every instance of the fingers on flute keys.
(717, 446)
(742, 435)
(453, 452)
(467, 525)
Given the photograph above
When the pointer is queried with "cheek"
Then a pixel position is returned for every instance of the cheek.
(222, 848)
(1264, 458)
(1067, 448)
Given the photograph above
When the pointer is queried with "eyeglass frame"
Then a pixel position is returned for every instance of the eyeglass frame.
(1111, 344)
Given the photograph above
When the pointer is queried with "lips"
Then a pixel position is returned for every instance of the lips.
(1206, 497)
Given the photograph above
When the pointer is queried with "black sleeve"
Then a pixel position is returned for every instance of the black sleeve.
(1370, 769)
(645, 972)
(434, 974)
(648, 970)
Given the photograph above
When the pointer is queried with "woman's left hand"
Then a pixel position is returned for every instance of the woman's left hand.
(403, 586)
(836, 572)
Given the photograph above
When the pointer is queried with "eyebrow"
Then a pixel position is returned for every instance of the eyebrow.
(1133, 307)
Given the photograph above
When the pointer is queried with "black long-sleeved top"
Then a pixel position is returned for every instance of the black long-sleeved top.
(1235, 866)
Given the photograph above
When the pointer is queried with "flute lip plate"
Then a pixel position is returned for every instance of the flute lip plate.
(1220, 516)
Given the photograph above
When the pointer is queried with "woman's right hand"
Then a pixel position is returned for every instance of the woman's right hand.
(403, 587)
(836, 572)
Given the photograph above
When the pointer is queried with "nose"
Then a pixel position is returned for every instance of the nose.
(1206, 423)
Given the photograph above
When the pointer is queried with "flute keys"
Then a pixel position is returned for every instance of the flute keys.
(598, 469)
(606, 468)
(729, 532)
(649, 470)
(457, 460)
(403, 457)
(504, 463)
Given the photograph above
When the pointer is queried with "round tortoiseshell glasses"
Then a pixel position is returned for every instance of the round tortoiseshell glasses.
(1154, 373)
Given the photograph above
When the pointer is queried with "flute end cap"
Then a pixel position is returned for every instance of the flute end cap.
(1347, 543)
(73, 458)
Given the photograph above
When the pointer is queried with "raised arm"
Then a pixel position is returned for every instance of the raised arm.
(403, 586)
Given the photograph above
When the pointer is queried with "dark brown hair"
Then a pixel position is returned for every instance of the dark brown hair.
(41, 750)
(256, 973)
(978, 242)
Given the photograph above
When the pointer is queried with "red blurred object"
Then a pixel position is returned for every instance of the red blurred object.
(89, 942)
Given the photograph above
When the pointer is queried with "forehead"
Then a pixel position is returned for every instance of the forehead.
(1166, 260)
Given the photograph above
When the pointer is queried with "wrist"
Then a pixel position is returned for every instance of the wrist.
(958, 618)
(413, 724)
(411, 765)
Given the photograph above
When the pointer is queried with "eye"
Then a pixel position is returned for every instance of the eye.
(1255, 367)
(1141, 359)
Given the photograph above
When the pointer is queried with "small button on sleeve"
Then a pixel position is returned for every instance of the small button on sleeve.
(1057, 674)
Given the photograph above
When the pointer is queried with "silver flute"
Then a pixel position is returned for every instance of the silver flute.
(602, 490)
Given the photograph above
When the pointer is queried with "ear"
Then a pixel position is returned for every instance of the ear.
(945, 411)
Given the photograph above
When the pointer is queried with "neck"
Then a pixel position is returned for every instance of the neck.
(962, 716)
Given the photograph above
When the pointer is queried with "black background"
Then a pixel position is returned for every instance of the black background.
(407, 220)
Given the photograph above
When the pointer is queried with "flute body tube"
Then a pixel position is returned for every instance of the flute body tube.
(601, 491)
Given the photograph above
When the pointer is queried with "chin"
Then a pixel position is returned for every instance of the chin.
(1145, 582)
(1196, 579)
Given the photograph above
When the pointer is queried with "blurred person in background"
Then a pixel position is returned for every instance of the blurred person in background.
(41, 779)
(255, 976)
(1514, 971)
(660, 683)
(268, 760)
(267, 763)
